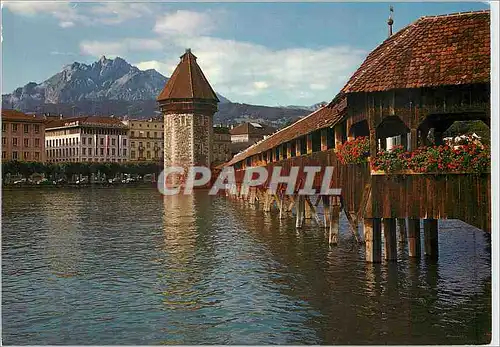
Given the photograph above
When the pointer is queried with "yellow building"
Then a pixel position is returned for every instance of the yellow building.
(146, 139)
(22, 137)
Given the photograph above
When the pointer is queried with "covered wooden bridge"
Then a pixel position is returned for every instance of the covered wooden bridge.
(408, 91)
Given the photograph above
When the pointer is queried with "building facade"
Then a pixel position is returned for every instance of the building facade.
(221, 149)
(188, 104)
(83, 139)
(22, 137)
(146, 139)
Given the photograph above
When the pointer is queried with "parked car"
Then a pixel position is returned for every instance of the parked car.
(45, 182)
(84, 180)
(114, 180)
(21, 181)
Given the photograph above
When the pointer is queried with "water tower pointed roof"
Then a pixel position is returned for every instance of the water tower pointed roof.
(188, 81)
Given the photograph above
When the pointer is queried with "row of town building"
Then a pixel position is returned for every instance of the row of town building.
(107, 139)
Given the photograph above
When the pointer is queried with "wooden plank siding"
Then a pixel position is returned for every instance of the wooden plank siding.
(451, 196)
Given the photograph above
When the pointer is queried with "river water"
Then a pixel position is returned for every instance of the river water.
(128, 266)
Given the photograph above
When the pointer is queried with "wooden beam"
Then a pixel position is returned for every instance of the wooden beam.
(352, 218)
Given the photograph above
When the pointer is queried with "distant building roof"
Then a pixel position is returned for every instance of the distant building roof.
(323, 117)
(433, 51)
(255, 129)
(87, 121)
(14, 115)
(188, 81)
(221, 130)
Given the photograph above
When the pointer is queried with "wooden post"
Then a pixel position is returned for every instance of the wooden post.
(307, 208)
(324, 143)
(373, 143)
(280, 201)
(402, 229)
(431, 238)
(338, 135)
(413, 139)
(326, 211)
(298, 148)
(390, 241)
(289, 150)
(414, 237)
(309, 143)
(291, 204)
(312, 210)
(373, 239)
(333, 234)
(299, 208)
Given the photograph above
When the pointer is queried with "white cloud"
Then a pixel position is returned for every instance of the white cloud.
(61, 53)
(183, 22)
(66, 24)
(116, 12)
(261, 85)
(32, 8)
(69, 14)
(240, 69)
(64, 11)
(99, 48)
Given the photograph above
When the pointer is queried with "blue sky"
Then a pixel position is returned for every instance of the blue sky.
(259, 53)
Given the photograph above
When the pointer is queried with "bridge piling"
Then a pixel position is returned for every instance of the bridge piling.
(373, 239)
(390, 241)
(414, 244)
(333, 234)
(307, 208)
(431, 238)
(326, 211)
(299, 208)
(402, 230)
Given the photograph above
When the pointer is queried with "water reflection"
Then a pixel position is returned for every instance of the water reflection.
(146, 269)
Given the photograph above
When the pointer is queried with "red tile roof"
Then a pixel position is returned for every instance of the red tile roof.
(321, 118)
(13, 115)
(187, 82)
(86, 120)
(433, 51)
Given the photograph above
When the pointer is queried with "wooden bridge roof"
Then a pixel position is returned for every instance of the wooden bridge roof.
(433, 51)
(324, 117)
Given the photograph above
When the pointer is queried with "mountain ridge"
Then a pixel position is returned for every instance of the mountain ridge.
(113, 86)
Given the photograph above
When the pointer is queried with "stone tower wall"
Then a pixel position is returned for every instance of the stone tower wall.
(203, 137)
(178, 140)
